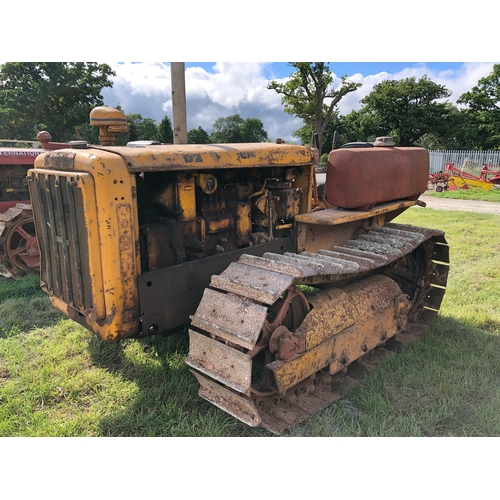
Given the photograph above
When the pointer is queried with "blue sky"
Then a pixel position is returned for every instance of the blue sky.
(220, 89)
(282, 69)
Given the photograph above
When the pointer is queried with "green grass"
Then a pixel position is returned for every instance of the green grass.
(58, 379)
(468, 194)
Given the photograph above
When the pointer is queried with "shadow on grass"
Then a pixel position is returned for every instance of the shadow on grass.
(446, 383)
(167, 401)
(23, 313)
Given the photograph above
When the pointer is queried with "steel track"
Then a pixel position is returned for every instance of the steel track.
(229, 326)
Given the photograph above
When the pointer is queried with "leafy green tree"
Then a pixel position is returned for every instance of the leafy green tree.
(53, 96)
(235, 129)
(304, 94)
(140, 128)
(407, 109)
(354, 127)
(148, 130)
(198, 136)
(165, 131)
(304, 133)
(88, 133)
(456, 133)
(360, 125)
(483, 111)
(253, 130)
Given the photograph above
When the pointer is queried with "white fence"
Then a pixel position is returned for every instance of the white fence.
(471, 161)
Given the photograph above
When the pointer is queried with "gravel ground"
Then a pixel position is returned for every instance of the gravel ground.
(485, 207)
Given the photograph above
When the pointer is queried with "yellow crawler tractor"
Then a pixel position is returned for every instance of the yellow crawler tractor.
(283, 301)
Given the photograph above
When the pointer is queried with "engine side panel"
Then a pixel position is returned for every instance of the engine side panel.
(158, 226)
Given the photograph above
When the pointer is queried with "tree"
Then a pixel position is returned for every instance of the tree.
(304, 94)
(354, 127)
(483, 111)
(140, 128)
(235, 129)
(408, 108)
(305, 132)
(165, 131)
(253, 131)
(197, 136)
(55, 96)
(148, 130)
(457, 132)
(361, 125)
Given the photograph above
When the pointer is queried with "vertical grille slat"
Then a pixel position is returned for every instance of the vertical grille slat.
(75, 246)
(45, 235)
(67, 288)
(53, 239)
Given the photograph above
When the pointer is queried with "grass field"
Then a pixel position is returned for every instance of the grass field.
(468, 194)
(57, 379)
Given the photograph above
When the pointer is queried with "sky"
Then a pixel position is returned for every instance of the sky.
(354, 36)
(220, 89)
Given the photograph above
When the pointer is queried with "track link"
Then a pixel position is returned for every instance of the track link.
(238, 328)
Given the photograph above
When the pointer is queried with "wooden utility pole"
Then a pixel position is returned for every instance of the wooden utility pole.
(179, 102)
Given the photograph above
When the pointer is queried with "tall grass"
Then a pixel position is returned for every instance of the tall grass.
(58, 379)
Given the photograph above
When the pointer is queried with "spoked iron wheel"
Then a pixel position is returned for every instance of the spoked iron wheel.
(19, 251)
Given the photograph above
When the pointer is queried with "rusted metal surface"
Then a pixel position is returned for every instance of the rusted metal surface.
(230, 317)
(257, 284)
(337, 336)
(19, 251)
(236, 405)
(361, 178)
(333, 263)
(221, 362)
(243, 223)
(335, 217)
(267, 262)
(341, 336)
(187, 282)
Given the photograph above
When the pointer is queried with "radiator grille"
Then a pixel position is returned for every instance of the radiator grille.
(58, 207)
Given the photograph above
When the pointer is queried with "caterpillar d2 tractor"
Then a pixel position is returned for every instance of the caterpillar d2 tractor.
(286, 304)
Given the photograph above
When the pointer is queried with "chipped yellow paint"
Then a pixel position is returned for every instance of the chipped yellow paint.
(186, 197)
(109, 194)
(243, 223)
(337, 338)
(199, 157)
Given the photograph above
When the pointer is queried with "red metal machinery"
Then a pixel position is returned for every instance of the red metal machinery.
(489, 175)
(439, 181)
(19, 252)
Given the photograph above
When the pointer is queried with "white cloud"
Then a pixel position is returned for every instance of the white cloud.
(240, 88)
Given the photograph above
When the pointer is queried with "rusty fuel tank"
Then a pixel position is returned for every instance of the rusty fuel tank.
(359, 178)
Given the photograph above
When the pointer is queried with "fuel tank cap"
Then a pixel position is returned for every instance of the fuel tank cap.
(78, 144)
